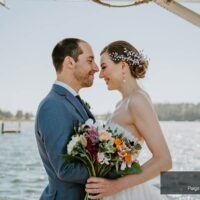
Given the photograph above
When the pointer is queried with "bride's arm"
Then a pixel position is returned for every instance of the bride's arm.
(146, 121)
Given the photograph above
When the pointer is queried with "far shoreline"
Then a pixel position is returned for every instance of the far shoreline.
(33, 120)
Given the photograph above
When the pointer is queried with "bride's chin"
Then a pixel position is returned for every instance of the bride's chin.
(110, 87)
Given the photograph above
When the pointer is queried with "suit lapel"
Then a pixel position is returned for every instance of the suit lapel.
(69, 97)
(88, 112)
(77, 106)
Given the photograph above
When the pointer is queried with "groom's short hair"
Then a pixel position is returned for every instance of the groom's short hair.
(66, 47)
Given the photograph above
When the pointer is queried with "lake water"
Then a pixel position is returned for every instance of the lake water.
(22, 176)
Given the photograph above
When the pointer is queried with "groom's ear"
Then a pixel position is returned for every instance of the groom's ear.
(69, 61)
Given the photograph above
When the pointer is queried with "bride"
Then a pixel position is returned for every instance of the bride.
(121, 66)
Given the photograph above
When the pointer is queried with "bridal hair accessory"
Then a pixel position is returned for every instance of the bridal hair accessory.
(133, 58)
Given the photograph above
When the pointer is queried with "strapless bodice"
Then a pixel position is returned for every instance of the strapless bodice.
(124, 131)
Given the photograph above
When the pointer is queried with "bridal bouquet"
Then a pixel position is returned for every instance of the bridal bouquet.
(100, 148)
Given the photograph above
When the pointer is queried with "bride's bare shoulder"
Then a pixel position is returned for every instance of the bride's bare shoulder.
(139, 95)
(140, 99)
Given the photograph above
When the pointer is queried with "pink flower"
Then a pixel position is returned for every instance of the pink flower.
(104, 135)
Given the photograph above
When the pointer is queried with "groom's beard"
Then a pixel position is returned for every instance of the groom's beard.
(85, 79)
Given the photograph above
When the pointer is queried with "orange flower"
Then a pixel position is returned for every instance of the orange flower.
(118, 142)
(128, 158)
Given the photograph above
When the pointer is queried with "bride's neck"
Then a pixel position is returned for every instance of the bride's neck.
(128, 87)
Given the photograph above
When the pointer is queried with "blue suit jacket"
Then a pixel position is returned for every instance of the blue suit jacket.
(57, 114)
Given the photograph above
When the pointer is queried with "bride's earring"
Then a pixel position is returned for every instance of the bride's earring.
(123, 73)
(124, 80)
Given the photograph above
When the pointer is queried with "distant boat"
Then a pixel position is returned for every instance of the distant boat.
(10, 130)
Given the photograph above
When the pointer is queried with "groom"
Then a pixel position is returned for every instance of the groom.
(57, 114)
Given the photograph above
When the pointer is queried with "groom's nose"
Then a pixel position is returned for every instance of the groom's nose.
(95, 67)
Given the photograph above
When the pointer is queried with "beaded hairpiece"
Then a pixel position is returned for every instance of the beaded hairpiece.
(133, 58)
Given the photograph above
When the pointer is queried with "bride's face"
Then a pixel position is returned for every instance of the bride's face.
(111, 72)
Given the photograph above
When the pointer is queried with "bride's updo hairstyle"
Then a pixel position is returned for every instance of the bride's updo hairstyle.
(124, 51)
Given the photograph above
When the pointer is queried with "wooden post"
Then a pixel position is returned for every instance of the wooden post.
(10, 130)
(19, 127)
(2, 128)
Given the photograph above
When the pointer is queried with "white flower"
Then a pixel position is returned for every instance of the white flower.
(90, 123)
(134, 156)
(72, 143)
(129, 165)
(123, 166)
(83, 140)
(103, 159)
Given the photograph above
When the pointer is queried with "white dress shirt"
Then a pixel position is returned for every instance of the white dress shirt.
(70, 89)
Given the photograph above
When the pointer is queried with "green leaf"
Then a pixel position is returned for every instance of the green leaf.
(138, 147)
(68, 158)
(135, 169)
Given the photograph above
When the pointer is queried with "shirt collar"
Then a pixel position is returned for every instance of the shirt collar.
(70, 89)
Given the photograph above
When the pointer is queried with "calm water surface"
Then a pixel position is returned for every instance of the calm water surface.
(22, 176)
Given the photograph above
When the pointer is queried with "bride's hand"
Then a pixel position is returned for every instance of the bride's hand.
(101, 187)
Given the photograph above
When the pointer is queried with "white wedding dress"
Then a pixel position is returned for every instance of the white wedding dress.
(144, 191)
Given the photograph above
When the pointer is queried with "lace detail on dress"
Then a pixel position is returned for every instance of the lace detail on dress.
(144, 191)
(125, 132)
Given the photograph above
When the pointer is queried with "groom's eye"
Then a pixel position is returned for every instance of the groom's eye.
(103, 67)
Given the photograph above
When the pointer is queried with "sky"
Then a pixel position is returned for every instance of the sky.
(30, 29)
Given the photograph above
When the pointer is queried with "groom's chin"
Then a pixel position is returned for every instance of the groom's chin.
(88, 84)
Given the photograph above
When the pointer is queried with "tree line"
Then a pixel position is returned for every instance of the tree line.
(178, 112)
(172, 112)
(165, 112)
(19, 115)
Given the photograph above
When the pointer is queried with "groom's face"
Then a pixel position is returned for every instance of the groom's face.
(85, 67)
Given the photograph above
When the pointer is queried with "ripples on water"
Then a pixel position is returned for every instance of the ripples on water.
(22, 176)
